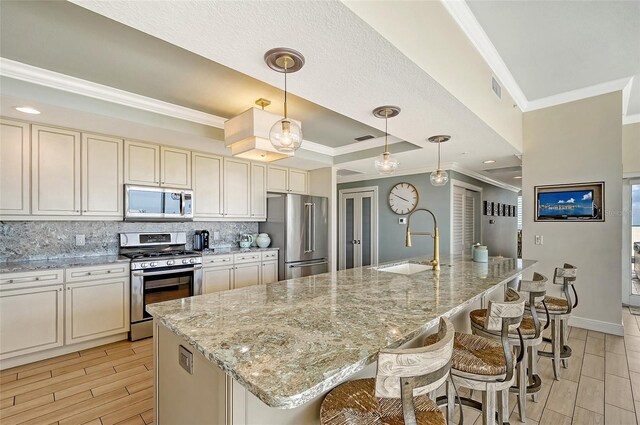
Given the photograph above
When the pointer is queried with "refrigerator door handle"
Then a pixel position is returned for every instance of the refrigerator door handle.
(307, 228)
(313, 226)
(293, 266)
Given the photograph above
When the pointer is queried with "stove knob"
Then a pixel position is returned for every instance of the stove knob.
(192, 260)
(153, 264)
(185, 261)
(170, 262)
(143, 265)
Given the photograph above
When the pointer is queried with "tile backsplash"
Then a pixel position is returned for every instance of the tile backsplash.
(39, 240)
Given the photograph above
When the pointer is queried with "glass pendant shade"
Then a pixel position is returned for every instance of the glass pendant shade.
(386, 164)
(439, 178)
(285, 136)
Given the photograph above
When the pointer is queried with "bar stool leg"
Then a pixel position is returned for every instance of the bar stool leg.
(451, 402)
(533, 367)
(489, 407)
(565, 336)
(556, 339)
(521, 370)
(503, 406)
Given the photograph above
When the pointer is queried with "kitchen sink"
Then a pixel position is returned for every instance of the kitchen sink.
(404, 268)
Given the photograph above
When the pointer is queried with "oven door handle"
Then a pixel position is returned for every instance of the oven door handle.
(166, 271)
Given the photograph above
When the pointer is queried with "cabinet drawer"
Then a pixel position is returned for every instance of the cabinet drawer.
(247, 257)
(83, 274)
(216, 260)
(31, 278)
(269, 255)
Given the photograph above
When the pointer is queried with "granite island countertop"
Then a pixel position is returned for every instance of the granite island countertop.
(60, 263)
(290, 341)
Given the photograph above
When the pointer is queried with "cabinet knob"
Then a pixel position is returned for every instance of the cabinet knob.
(108, 271)
(77, 210)
(89, 273)
(10, 280)
(37, 278)
(84, 210)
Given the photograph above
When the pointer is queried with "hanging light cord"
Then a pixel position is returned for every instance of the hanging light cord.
(286, 62)
(386, 133)
(439, 143)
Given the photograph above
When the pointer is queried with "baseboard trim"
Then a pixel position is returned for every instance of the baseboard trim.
(597, 325)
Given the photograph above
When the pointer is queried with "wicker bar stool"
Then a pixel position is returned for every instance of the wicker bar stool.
(527, 336)
(559, 311)
(485, 364)
(398, 393)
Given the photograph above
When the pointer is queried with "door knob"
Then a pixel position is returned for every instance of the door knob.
(354, 242)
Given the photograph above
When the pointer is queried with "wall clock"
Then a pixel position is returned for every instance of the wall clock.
(403, 198)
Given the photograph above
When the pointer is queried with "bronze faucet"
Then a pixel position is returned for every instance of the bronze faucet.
(435, 235)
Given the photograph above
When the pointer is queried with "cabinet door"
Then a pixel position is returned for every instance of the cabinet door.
(246, 275)
(258, 191)
(175, 168)
(96, 309)
(207, 185)
(141, 163)
(278, 179)
(14, 167)
(269, 272)
(215, 279)
(55, 171)
(237, 189)
(102, 176)
(31, 320)
(298, 181)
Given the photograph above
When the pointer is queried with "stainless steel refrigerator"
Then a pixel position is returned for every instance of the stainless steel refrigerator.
(298, 226)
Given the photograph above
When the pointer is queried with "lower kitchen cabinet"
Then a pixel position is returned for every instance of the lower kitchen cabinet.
(269, 272)
(31, 320)
(96, 309)
(215, 279)
(246, 274)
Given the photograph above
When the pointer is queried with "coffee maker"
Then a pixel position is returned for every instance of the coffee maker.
(201, 240)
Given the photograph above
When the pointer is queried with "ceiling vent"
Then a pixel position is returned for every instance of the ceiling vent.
(516, 168)
(343, 172)
(365, 137)
(496, 87)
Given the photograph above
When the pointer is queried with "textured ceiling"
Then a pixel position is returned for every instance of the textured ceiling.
(553, 47)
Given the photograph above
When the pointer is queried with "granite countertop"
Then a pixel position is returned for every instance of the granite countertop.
(235, 249)
(60, 263)
(290, 341)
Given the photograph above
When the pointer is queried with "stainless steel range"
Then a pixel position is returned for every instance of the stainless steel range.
(161, 270)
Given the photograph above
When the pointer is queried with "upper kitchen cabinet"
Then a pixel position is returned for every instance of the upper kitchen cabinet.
(237, 188)
(55, 171)
(175, 168)
(102, 175)
(14, 167)
(207, 181)
(141, 163)
(258, 191)
(287, 180)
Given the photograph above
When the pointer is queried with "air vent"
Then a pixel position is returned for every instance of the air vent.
(343, 172)
(496, 87)
(513, 169)
(365, 137)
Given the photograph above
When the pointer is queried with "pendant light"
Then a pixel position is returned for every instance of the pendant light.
(386, 164)
(286, 134)
(439, 177)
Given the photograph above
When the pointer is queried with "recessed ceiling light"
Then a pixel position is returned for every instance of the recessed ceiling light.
(517, 177)
(27, 110)
(489, 161)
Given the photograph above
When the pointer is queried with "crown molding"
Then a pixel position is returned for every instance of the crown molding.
(317, 148)
(474, 174)
(43, 77)
(466, 20)
(631, 119)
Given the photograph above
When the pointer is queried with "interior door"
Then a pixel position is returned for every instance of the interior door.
(464, 221)
(358, 245)
(631, 238)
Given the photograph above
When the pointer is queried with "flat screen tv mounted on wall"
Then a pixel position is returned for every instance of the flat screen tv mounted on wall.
(570, 202)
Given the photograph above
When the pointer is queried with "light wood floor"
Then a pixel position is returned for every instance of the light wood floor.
(113, 384)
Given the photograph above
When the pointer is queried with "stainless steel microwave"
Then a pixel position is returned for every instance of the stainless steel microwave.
(146, 203)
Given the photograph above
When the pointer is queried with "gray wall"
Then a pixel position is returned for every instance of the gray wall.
(500, 237)
(37, 240)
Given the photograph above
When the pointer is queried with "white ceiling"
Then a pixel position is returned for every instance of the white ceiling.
(552, 48)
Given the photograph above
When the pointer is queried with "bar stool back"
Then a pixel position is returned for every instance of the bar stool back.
(398, 394)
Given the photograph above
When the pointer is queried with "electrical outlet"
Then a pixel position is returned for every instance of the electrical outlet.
(402, 220)
(216, 236)
(79, 240)
(539, 240)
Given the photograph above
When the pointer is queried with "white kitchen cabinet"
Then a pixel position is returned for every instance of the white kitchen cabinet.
(14, 167)
(207, 181)
(287, 180)
(96, 308)
(31, 320)
(55, 171)
(269, 272)
(258, 191)
(246, 274)
(102, 175)
(141, 163)
(219, 278)
(237, 188)
(175, 167)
